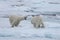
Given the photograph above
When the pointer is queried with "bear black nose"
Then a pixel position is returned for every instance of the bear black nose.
(25, 18)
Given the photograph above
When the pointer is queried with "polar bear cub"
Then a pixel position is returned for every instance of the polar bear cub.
(37, 21)
(15, 20)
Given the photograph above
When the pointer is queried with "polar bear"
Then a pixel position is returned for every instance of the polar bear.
(15, 20)
(37, 21)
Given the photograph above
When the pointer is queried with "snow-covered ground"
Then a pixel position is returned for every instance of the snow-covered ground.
(25, 30)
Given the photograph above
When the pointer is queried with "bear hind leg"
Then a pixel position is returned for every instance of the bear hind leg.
(42, 25)
(34, 25)
(17, 23)
(38, 26)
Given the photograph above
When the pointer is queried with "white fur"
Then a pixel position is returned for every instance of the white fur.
(15, 20)
(37, 21)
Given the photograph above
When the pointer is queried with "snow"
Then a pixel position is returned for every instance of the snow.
(25, 30)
